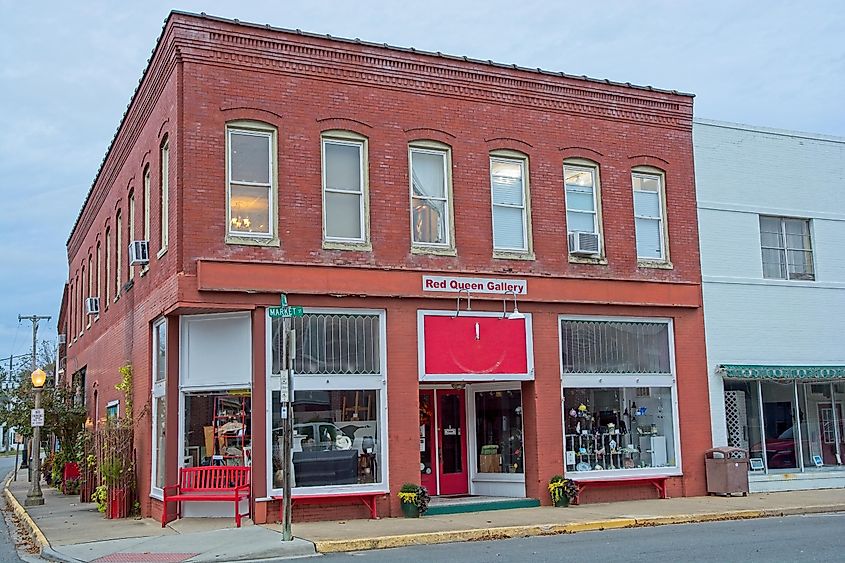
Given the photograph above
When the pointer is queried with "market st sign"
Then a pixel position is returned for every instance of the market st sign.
(474, 285)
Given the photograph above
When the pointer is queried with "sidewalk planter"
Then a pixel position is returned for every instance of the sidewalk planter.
(414, 500)
(562, 491)
(117, 507)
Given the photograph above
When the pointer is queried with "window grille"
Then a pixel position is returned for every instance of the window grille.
(618, 347)
(331, 344)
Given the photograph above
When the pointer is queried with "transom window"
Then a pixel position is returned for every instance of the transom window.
(343, 190)
(250, 182)
(787, 248)
(649, 216)
(430, 197)
(615, 347)
(507, 180)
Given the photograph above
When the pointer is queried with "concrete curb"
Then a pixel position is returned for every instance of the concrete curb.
(427, 538)
(24, 516)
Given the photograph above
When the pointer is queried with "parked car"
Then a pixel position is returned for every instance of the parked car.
(780, 451)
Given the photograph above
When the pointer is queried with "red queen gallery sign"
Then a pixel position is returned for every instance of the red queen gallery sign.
(474, 285)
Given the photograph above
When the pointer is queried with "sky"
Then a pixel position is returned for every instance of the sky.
(68, 70)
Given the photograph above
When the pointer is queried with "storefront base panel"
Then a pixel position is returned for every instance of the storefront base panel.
(342, 510)
(515, 489)
(777, 482)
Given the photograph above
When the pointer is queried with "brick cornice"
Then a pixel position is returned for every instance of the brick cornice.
(212, 42)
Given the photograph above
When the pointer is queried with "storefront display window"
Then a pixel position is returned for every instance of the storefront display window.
(338, 404)
(619, 395)
(159, 404)
(217, 429)
(619, 428)
(802, 422)
(336, 439)
(498, 427)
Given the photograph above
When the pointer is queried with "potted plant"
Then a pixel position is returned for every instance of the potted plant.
(414, 499)
(562, 490)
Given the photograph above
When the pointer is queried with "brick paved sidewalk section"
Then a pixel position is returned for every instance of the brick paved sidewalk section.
(71, 531)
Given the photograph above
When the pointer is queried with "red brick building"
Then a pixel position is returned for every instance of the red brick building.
(375, 185)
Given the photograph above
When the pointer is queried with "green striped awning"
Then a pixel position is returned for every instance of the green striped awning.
(741, 371)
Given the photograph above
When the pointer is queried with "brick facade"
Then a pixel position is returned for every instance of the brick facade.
(207, 72)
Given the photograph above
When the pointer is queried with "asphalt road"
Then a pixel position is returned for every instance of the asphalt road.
(790, 539)
(8, 553)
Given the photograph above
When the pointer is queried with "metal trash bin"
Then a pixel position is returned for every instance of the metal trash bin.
(727, 471)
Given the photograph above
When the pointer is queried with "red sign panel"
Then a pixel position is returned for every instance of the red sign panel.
(479, 346)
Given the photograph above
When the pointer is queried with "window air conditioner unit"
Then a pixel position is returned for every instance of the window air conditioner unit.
(139, 252)
(584, 244)
(92, 305)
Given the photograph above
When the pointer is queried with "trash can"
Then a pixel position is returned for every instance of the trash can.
(727, 471)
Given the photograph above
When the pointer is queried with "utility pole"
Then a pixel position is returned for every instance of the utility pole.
(34, 319)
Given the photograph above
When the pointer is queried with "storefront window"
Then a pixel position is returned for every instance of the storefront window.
(159, 403)
(780, 423)
(498, 422)
(338, 406)
(336, 439)
(217, 429)
(619, 428)
(821, 426)
(742, 417)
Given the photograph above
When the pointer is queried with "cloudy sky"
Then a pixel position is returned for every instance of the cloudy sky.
(68, 69)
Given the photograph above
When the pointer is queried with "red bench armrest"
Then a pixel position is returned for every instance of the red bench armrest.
(167, 488)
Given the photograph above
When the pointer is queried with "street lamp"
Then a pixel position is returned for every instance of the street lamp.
(35, 497)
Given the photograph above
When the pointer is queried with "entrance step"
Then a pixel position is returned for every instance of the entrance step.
(460, 504)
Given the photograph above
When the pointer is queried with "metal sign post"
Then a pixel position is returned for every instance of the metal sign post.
(287, 419)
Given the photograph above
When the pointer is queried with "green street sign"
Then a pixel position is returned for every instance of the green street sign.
(284, 310)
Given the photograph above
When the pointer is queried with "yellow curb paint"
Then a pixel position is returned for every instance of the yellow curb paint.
(426, 538)
(21, 513)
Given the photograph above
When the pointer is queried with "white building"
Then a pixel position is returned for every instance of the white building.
(771, 207)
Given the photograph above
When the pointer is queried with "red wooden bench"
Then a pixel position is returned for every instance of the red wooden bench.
(208, 484)
(368, 499)
(658, 481)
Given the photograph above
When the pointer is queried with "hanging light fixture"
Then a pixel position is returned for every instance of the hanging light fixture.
(515, 315)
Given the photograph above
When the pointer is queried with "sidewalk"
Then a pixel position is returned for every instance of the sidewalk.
(70, 531)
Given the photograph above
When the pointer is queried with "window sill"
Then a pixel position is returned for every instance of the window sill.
(144, 271)
(253, 241)
(655, 264)
(161, 252)
(598, 260)
(513, 255)
(128, 285)
(352, 246)
(434, 250)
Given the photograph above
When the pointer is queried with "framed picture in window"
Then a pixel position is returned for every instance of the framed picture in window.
(756, 464)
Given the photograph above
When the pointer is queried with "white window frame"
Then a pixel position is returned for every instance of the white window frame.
(118, 253)
(107, 276)
(445, 151)
(158, 392)
(648, 172)
(618, 381)
(130, 271)
(349, 139)
(323, 382)
(786, 248)
(509, 252)
(146, 210)
(116, 404)
(257, 129)
(164, 212)
(583, 165)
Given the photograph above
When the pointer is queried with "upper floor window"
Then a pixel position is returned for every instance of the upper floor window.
(164, 202)
(510, 212)
(251, 182)
(650, 216)
(430, 197)
(118, 251)
(344, 189)
(787, 248)
(146, 209)
(581, 189)
(131, 231)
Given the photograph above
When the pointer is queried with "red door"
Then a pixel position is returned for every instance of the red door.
(452, 444)
(428, 442)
